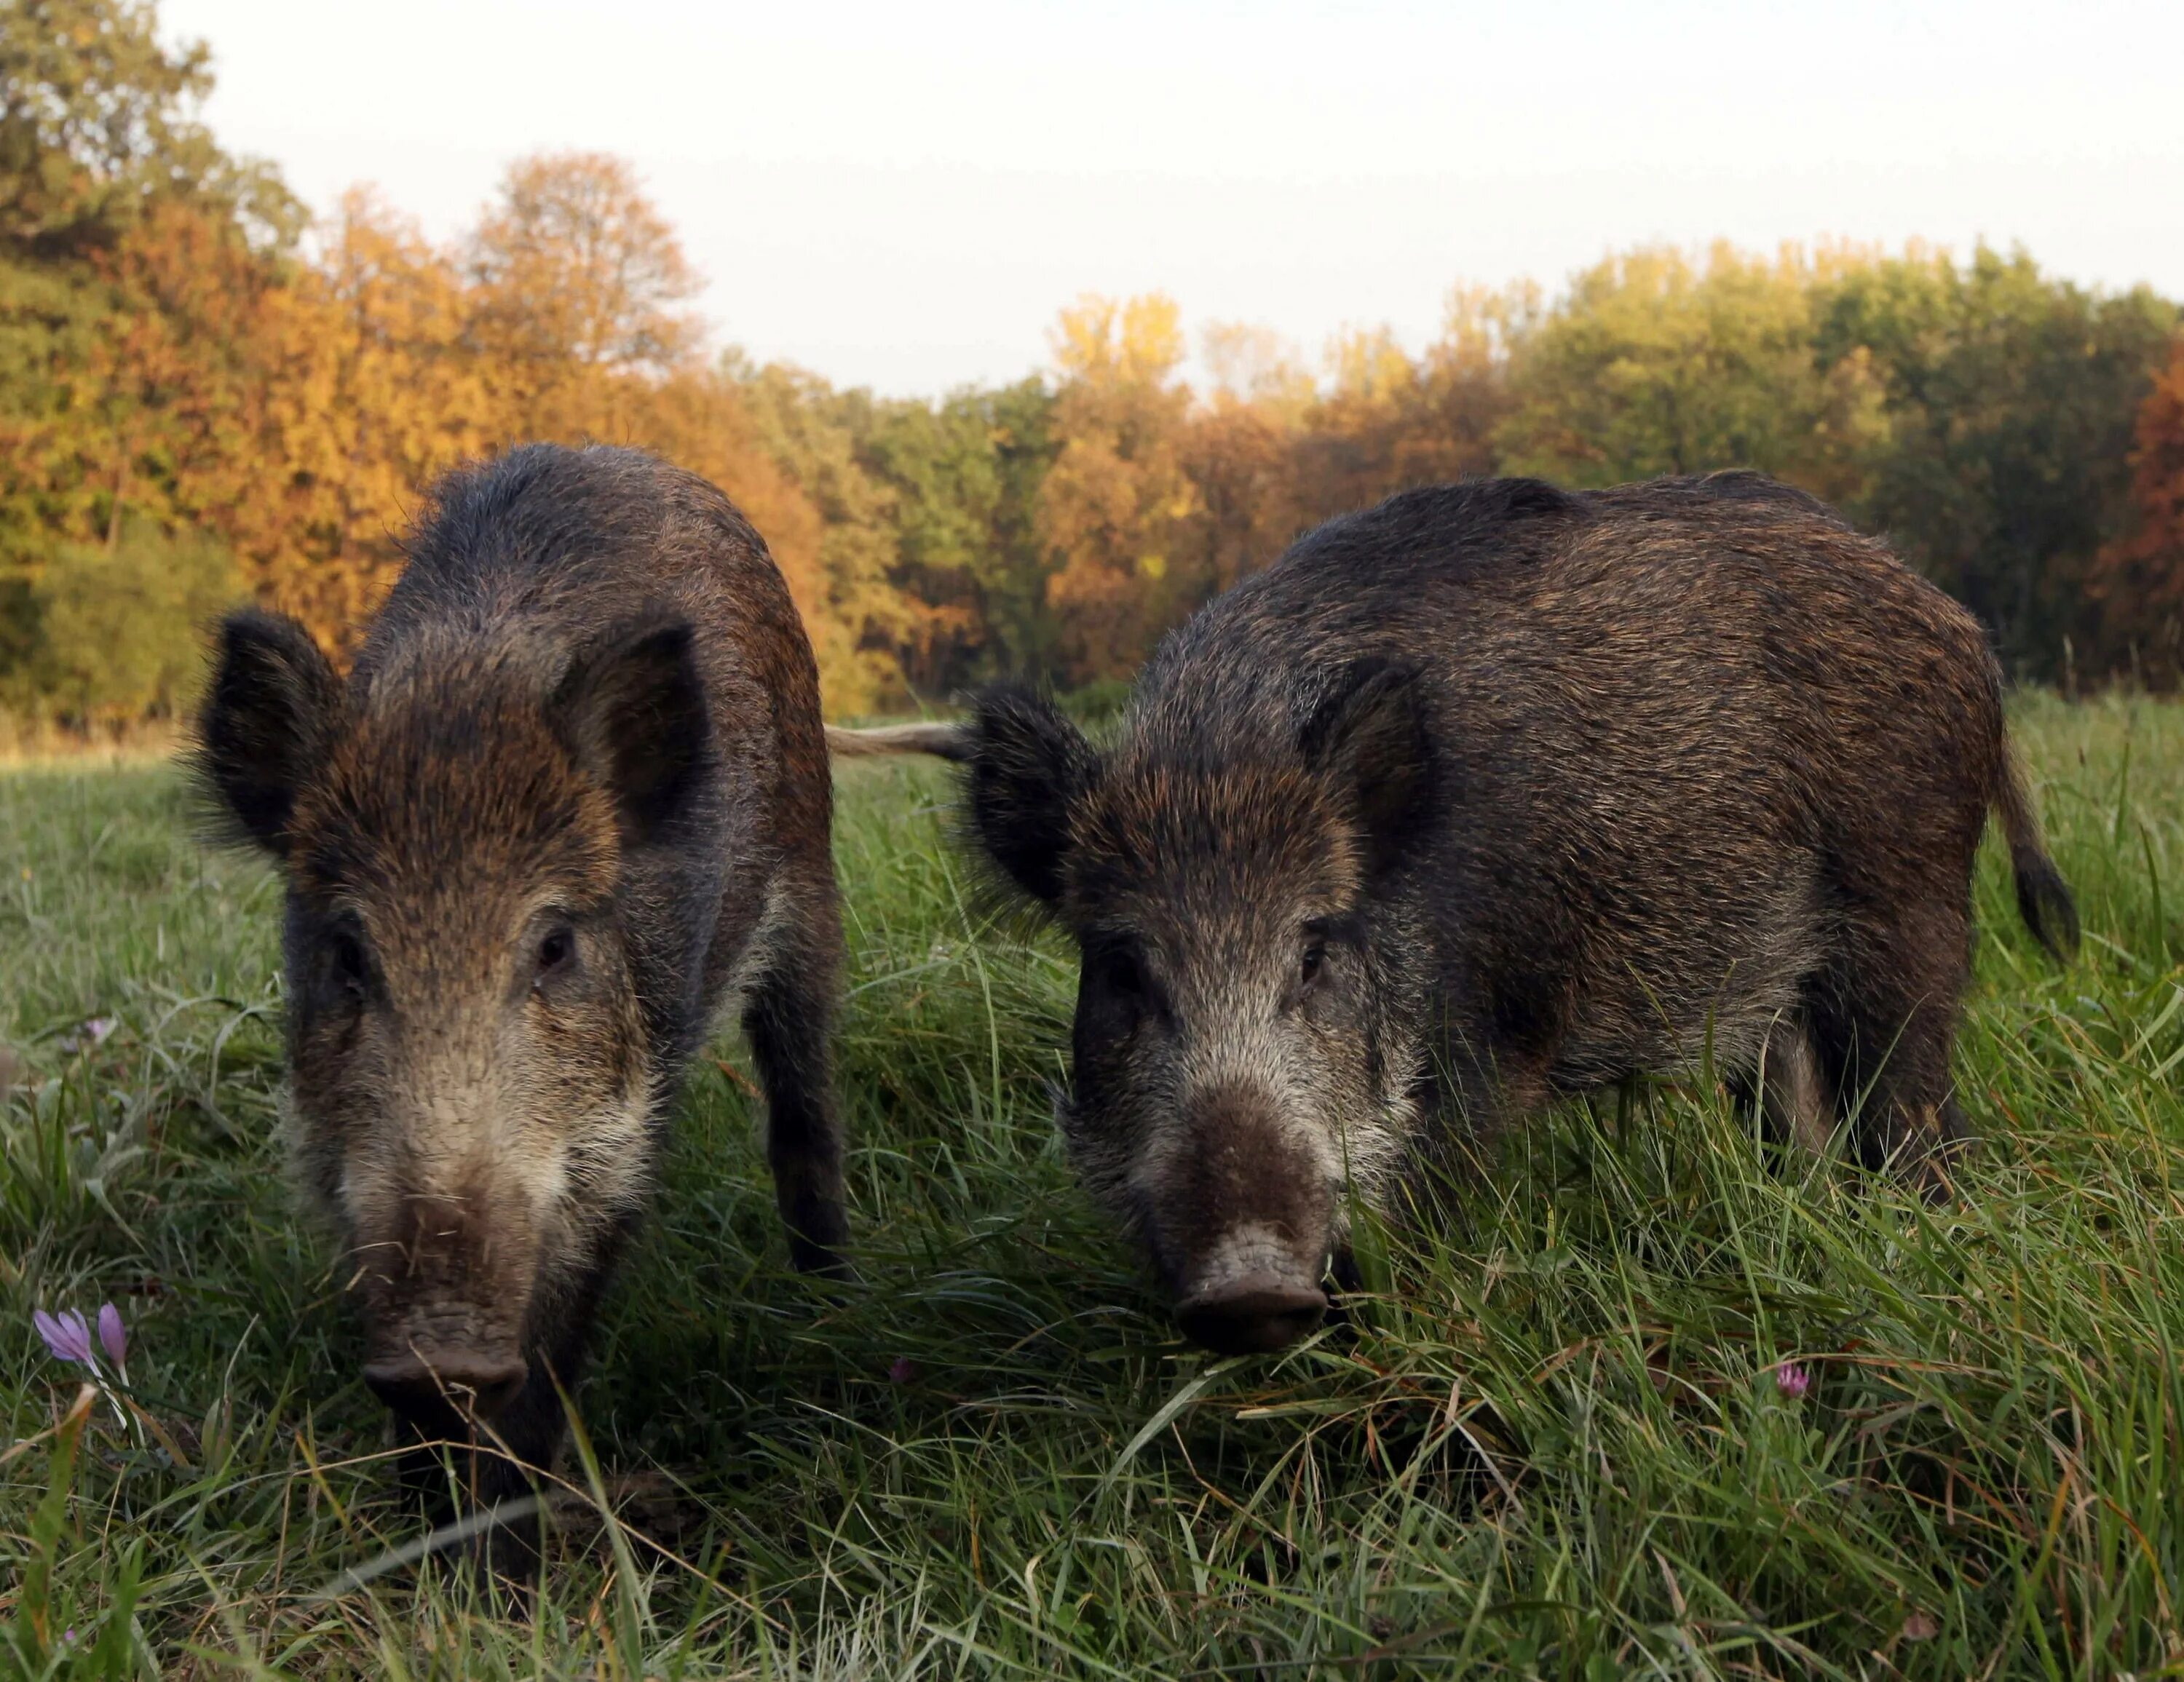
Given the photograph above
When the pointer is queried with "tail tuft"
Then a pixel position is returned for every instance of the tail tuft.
(943, 741)
(2043, 898)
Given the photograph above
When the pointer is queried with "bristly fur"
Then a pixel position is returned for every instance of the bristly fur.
(1491, 794)
(571, 801)
(225, 751)
(992, 712)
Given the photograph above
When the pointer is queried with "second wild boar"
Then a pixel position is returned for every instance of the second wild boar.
(1491, 795)
(572, 798)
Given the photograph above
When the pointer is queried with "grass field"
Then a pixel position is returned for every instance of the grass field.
(1553, 1445)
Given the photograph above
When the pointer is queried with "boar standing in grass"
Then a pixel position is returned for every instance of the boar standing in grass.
(573, 795)
(1491, 795)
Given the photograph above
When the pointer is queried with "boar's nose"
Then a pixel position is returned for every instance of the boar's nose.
(420, 1384)
(1253, 1314)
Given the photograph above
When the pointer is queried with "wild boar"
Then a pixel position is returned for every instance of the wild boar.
(572, 797)
(1491, 795)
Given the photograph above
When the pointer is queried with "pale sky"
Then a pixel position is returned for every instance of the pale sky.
(903, 195)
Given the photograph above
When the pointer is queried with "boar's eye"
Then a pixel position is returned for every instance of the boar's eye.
(1117, 977)
(557, 950)
(345, 961)
(1124, 974)
(1120, 987)
(1313, 960)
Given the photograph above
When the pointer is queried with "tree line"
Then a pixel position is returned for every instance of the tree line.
(204, 397)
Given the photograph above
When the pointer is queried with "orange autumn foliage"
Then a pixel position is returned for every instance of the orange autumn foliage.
(299, 409)
(2140, 582)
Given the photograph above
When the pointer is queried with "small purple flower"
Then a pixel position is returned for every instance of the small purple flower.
(904, 1370)
(92, 1034)
(113, 1336)
(67, 1335)
(1793, 1380)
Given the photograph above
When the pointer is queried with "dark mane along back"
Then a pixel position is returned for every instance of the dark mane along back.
(532, 509)
(1696, 492)
(1467, 517)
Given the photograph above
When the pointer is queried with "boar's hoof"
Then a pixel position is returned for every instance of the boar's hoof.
(415, 1385)
(1251, 1315)
(820, 1261)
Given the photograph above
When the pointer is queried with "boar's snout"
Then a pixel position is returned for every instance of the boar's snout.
(1241, 1212)
(446, 1306)
(429, 1384)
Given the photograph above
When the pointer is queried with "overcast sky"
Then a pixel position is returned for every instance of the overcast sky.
(902, 195)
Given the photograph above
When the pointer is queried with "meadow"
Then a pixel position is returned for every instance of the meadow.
(1552, 1440)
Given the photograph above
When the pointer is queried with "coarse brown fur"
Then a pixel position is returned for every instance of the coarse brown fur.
(1493, 794)
(572, 798)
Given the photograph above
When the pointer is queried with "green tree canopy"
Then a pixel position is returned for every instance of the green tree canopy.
(2008, 397)
(97, 122)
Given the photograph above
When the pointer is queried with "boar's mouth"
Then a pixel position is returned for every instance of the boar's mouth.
(1252, 1293)
(1255, 1315)
(443, 1389)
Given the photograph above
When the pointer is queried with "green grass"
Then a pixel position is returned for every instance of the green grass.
(1554, 1445)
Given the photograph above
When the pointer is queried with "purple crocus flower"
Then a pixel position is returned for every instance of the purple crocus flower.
(113, 1336)
(91, 1033)
(67, 1335)
(904, 1370)
(1793, 1380)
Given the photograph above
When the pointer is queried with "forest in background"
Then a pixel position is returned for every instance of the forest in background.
(204, 397)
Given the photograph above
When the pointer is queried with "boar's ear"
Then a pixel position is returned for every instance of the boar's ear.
(266, 722)
(632, 709)
(1026, 766)
(1369, 740)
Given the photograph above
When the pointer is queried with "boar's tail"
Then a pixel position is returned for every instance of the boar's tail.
(945, 741)
(2043, 898)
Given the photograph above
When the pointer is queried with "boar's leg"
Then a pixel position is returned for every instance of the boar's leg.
(788, 1021)
(1796, 1096)
(1884, 1019)
(450, 1478)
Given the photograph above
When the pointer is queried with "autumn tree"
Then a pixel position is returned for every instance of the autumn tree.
(1386, 422)
(810, 431)
(98, 125)
(1251, 365)
(1655, 364)
(1242, 447)
(133, 256)
(931, 556)
(173, 395)
(2138, 581)
(579, 281)
(1115, 505)
(2007, 399)
(373, 390)
(966, 473)
(106, 177)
